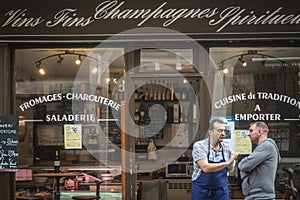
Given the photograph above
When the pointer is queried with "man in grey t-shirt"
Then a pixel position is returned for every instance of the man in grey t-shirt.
(258, 170)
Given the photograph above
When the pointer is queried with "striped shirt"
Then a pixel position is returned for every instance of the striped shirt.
(200, 151)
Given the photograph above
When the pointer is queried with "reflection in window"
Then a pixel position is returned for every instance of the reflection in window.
(269, 79)
(65, 94)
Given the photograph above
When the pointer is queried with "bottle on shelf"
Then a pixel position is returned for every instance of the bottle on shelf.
(184, 92)
(177, 90)
(146, 97)
(176, 111)
(194, 113)
(137, 116)
(56, 162)
(93, 138)
(184, 114)
(151, 93)
(142, 123)
(163, 91)
(159, 95)
(98, 112)
(191, 95)
(168, 93)
(172, 92)
(109, 91)
(181, 114)
(136, 94)
(140, 93)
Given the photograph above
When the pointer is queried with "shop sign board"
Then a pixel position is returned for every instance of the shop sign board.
(9, 139)
(108, 17)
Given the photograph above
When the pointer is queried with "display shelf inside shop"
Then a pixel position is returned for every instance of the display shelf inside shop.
(103, 195)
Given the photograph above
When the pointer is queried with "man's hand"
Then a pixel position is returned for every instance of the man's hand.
(233, 157)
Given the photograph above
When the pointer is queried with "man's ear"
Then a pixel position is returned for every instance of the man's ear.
(260, 132)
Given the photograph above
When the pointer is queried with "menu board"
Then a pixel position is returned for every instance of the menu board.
(9, 139)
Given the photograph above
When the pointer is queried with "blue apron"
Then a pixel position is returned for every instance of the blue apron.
(211, 185)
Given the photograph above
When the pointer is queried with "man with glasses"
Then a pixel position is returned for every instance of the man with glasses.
(258, 170)
(213, 159)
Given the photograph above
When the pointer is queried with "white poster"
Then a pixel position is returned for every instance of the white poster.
(73, 136)
(242, 142)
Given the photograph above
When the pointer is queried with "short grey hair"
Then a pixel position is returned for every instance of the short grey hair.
(263, 126)
(212, 123)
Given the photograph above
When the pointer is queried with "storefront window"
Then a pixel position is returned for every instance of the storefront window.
(66, 97)
(262, 84)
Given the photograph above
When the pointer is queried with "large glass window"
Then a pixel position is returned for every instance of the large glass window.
(67, 98)
(261, 84)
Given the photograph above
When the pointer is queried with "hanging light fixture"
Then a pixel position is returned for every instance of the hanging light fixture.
(61, 58)
(38, 64)
(42, 71)
(78, 61)
(244, 63)
(223, 68)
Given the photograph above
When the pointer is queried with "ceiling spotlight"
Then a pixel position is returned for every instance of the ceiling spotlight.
(60, 59)
(225, 70)
(78, 61)
(42, 71)
(244, 64)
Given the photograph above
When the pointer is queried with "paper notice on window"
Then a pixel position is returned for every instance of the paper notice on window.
(242, 142)
(73, 136)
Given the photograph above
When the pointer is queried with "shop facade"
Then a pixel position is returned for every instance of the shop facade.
(145, 72)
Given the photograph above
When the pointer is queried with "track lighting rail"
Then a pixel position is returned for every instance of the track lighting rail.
(240, 57)
(68, 52)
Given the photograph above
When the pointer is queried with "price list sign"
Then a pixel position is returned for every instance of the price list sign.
(9, 138)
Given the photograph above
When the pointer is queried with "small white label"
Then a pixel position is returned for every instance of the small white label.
(56, 163)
